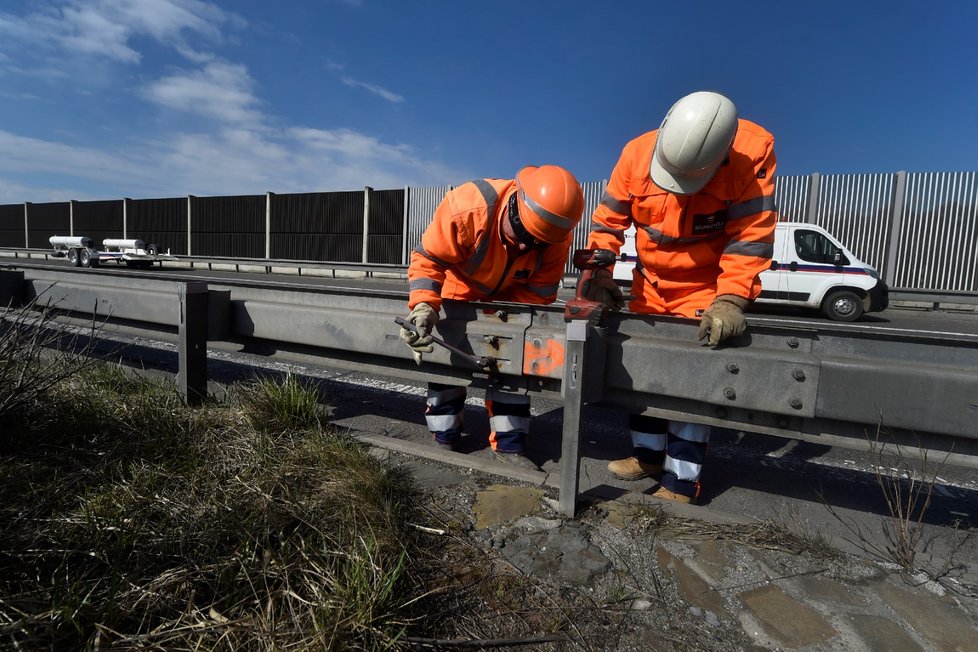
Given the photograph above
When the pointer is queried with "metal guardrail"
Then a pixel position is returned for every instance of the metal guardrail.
(934, 298)
(271, 266)
(826, 384)
(267, 265)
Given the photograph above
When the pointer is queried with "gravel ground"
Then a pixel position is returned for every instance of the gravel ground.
(630, 575)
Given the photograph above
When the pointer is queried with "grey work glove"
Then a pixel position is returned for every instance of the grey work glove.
(424, 317)
(723, 319)
(601, 287)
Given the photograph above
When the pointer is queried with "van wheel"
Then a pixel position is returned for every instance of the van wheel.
(73, 258)
(843, 305)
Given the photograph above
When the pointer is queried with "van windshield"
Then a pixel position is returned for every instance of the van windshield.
(814, 247)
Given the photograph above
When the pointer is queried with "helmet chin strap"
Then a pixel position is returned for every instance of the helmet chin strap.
(520, 233)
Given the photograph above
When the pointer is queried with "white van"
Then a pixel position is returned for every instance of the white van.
(810, 269)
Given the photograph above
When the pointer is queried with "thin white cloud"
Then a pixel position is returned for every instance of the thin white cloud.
(227, 161)
(349, 143)
(104, 28)
(243, 161)
(380, 91)
(24, 154)
(13, 192)
(219, 90)
(390, 96)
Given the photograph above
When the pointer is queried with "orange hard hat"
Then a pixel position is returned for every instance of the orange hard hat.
(551, 201)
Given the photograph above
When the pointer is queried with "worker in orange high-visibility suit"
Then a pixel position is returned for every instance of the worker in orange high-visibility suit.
(491, 240)
(700, 192)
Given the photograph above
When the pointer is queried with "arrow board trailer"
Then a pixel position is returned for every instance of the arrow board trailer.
(81, 252)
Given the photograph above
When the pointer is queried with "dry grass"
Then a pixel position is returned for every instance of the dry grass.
(139, 522)
(28, 370)
(906, 480)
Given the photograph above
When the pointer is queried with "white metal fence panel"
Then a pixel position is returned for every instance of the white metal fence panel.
(857, 209)
(592, 197)
(791, 196)
(421, 203)
(939, 241)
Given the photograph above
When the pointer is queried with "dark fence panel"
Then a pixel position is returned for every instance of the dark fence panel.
(229, 245)
(45, 220)
(318, 226)
(229, 226)
(385, 224)
(99, 219)
(12, 225)
(341, 248)
(159, 221)
(384, 249)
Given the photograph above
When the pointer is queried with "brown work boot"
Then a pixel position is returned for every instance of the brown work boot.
(666, 494)
(632, 468)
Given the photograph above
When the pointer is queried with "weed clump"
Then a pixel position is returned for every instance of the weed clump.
(248, 524)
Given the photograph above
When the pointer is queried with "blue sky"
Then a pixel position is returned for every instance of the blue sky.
(102, 99)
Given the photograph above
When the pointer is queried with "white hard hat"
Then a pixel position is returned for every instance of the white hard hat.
(693, 141)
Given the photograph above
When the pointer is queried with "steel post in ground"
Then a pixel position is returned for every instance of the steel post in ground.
(192, 372)
(572, 389)
(11, 288)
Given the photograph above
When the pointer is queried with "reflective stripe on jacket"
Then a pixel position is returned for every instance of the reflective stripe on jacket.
(722, 235)
(462, 255)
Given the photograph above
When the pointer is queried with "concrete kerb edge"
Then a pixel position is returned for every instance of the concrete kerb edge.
(459, 459)
(544, 479)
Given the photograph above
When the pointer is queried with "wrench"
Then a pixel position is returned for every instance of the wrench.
(481, 361)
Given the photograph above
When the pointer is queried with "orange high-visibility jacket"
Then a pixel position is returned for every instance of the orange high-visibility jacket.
(722, 235)
(462, 255)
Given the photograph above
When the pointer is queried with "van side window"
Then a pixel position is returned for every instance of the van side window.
(814, 247)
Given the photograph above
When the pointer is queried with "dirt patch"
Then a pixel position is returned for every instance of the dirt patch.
(625, 576)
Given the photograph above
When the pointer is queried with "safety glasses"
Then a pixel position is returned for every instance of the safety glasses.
(519, 231)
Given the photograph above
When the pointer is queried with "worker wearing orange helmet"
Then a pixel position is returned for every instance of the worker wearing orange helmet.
(700, 192)
(491, 240)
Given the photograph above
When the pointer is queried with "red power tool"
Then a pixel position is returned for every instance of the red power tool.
(588, 261)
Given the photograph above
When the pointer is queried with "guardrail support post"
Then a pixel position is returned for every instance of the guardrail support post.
(11, 288)
(583, 375)
(192, 372)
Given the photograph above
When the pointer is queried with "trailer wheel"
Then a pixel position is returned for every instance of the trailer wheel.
(153, 249)
(843, 305)
(73, 258)
(85, 258)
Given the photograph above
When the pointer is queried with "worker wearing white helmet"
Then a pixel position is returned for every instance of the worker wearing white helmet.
(700, 192)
